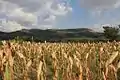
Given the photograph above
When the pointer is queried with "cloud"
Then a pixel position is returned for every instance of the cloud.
(99, 7)
(31, 13)
(102, 12)
(100, 4)
(19, 16)
(97, 28)
(13, 26)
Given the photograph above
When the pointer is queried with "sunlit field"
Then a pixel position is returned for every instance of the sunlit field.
(59, 61)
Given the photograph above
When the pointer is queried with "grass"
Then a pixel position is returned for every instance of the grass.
(59, 61)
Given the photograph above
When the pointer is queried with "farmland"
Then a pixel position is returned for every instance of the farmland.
(59, 61)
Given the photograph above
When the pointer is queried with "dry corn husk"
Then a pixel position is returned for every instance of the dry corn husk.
(112, 58)
(118, 65)
(20, 55)
(39, 70)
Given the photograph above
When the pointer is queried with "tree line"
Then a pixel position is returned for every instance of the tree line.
(111, 33)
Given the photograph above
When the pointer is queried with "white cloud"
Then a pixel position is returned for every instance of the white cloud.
(60, 9)
(10, 26)
(100, 4)
(19, 15)
(31, 13)
(97, 28)
(98, 7)
(103, 12)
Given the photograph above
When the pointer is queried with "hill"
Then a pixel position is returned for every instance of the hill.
(52, 34)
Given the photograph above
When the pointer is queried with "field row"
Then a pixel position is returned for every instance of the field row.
(59, 61)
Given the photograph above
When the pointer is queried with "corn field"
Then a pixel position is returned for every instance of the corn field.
(59, 61)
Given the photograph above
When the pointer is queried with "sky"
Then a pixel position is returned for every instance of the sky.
(47, 14)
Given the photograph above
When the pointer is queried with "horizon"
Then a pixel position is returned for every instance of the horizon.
(54, 14)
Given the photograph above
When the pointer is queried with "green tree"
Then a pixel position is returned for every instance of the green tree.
(111, 32)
